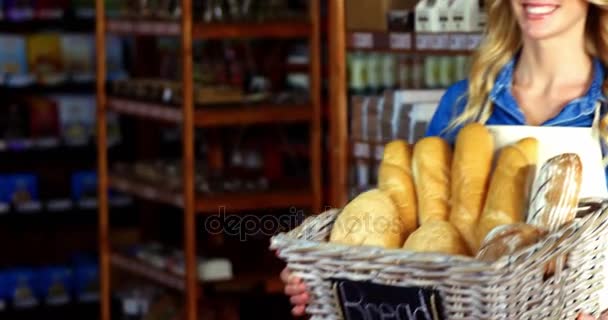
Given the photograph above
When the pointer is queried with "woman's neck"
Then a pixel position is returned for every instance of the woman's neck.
(553, 63)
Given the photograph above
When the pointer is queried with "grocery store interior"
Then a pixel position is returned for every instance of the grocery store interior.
(210, 126)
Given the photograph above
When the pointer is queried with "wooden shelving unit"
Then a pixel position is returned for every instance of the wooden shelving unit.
(247, 114)
(343, 41)
(190, 117)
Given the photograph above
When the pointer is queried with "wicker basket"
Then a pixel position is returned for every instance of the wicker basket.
(512, 288)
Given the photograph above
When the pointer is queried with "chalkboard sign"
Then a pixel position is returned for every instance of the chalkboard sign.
(370, 301)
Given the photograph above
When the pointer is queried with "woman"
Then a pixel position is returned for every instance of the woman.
(549, 53)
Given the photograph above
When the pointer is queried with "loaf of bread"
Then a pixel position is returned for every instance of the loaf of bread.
(471, 172)
(508, 239)
(437, 236)
(398, 183)
(508, 194)
(431, 165)
(371, 219)
(398, 153)
(556, 191)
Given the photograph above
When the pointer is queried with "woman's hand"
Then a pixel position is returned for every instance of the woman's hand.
(297, 291)
(584, 316)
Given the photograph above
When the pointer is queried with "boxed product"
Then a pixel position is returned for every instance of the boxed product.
(114, 58)
(86, 282)
(13, 55)
(45, 57)
(77, 118)
(365, 15)
(21, 286)
(114, 132)
(22, 192)
(84, 189)
(79, 56)
(55, 285)
(44, 121)
(14, 119)
(50, 9)
(19, 10)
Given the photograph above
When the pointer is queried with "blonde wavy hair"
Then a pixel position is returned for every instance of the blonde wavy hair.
(503, 40)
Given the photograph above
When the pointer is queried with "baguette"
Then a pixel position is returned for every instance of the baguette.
(507, 198)
(398, 183)
(398, 153)
(371, 219)
(471, 172)
(556, 192)
(431, 164)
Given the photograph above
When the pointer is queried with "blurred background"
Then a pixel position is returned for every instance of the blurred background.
(291, 103)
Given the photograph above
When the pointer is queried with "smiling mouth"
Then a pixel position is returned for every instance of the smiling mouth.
(539, 10)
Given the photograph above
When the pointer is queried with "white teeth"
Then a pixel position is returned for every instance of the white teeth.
(540, 9)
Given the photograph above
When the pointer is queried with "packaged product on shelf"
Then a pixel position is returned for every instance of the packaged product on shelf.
(79, 56)
(55, 285)
(418, 68)
(19, 10)
(85, 9)
(404, 71)
(44, 121)
(114, 8)
(22, 286)
(432, 72)
(45, 57)
(447, 71)
(403, 121)
(77, 118)
(13, 55)
(114, 132)
(22, 192)
(86, 282)
(389, 71)
(373, 15)
(401, 20)
(50, 9)
(5, 296)
(361, 141)
(5, 201)
(464, 15)
(114, 58)
(420, 116)
(84, 189)
(357, 73)
(374, 73)
(14, 119)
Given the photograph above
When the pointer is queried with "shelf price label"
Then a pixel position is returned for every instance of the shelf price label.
(400, 41)
(362, 150)
(458, 42)
(423, 41)
(474, 40)
(379, 152)
(440, 41)
(363, 40)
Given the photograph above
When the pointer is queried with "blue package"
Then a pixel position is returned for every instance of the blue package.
(21, 287)
(13, 55)
(84, 185)
(21, 188)
(86, 282)
(55, 285)
(4, 293)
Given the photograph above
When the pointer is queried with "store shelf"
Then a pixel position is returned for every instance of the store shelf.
(68, 23)
(143, 27)
(142, 269)
(435, 43)
(251, 30)
(216, 116)
(254, 200)
(285, 198)
(210, 30)
(270, 282)
(86, 87)
(251, 114)
(147, 110)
